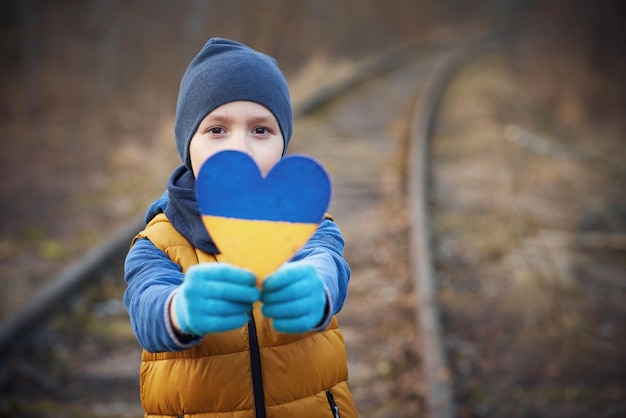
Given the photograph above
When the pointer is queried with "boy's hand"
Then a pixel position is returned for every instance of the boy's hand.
(214, 297)
(294, 297)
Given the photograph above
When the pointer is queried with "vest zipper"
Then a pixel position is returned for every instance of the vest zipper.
(255, 364)
(333, 406)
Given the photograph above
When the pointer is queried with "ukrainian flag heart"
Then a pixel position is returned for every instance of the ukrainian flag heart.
(259, 223)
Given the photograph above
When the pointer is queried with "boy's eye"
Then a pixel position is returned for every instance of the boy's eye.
(216, 130)
(260, 131)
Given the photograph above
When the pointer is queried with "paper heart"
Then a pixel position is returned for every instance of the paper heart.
(259, 223)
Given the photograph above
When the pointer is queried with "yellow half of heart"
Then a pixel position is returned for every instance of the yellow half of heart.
(260, 246)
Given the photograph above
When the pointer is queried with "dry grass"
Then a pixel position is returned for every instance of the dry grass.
(524, 321)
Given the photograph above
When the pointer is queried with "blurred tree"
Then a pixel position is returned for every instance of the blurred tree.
(29, 18)
(107, 67)
(194, 25)
(572, 55)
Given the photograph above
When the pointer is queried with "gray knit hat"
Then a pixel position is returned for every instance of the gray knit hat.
(226, 71)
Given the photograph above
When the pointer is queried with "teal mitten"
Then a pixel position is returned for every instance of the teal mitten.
(214, 297)
(294, 297)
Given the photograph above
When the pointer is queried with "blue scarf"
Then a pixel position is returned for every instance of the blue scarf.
(182, 210)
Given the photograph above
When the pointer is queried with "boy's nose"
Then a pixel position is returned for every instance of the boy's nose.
(240, 143)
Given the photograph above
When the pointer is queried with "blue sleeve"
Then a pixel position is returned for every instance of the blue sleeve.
(152, 278)
(325, 251)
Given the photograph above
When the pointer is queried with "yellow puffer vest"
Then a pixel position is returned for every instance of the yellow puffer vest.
(294, 375)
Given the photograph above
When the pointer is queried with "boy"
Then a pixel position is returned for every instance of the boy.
(214, 344)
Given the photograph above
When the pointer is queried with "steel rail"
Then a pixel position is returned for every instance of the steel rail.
(439, 393)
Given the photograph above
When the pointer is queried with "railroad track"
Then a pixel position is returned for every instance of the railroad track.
(71, 352)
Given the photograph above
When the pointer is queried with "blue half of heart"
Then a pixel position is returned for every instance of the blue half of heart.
(297, 189)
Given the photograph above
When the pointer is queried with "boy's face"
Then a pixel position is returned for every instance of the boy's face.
(241, 126)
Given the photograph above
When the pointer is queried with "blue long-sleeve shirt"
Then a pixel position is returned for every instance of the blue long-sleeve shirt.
(152, 279)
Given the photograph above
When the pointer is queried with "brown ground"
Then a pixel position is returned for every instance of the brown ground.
(535, 319)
